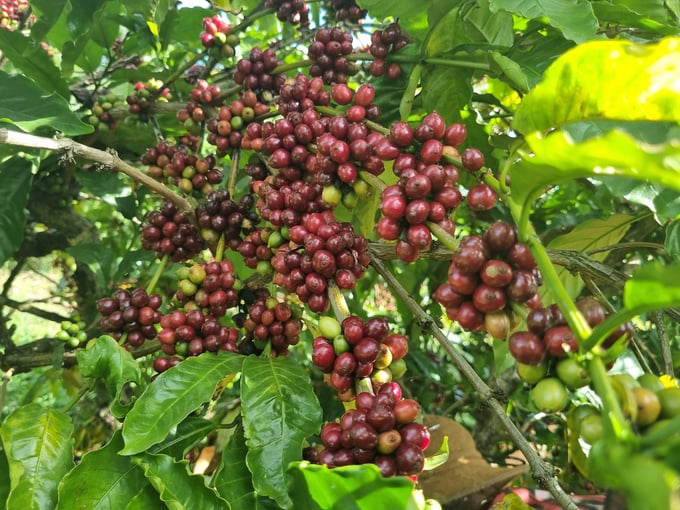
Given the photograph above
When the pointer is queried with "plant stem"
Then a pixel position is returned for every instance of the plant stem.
(233, 171)
(443, 236)
(542, 471)
(73, 149)
(406, 103)
(157, 274)
(219, 250)
(338, 302)
(3, 388)
(373, 180)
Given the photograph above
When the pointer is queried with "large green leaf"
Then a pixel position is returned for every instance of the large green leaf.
(361, 487)
(47, 13)
(30, 107)
(105, 359)
(173, 395)
(15, 184)
(446, 92)
(589, 235)
(279, 410)
(556, 157)
(647, 14)
(233, 480)
(5, 484)
(653, 286)
(39, 451)
(104, 480)
(178, 489)
(616, 80)
(187, 435)
(574, 18)
(32, 61)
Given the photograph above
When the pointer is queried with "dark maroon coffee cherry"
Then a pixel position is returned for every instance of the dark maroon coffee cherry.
(364, 436)
(381, 417)
(526, 348)
(559, 341)
(481, 197)
(386, 463)
(472, 159)
(410, 459)
(489, 299)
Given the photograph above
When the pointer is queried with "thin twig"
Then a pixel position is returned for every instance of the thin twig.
(108, 159)
(664, 344)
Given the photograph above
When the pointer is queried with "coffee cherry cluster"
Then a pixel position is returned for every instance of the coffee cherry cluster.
(256, 251)
(211, 286)
(320, 250)
(271, 321)
(427, 189)
(355, 350)
(283, 202)
(487, 273)
(132, 313)
(177, 165)
(190, 333)
(301, 93)
(167, 231)
(101, 117)
(381, 430)
(328, 53)
(11, 12)
(225, 131)
(348, 10)
(217, 34)
(549, 337)
(56, 187)
(384, 42)
(295, 12)
(221, 215)
(255, 71)
(145, 94)
(72, 332)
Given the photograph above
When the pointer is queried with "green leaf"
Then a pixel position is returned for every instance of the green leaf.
(574, 18)
(104, 480)
(439, 457)
(616, 80)
(509, 70)
(15, 185)
(653, 286)
(189, 433)
(29, 107)
(105, 359)
(178, 488)
(233, 480)
(32, 61)
(672, 242)
(5, 484)
(359, 487)
(39, 452)
(556, 157)
(589, 235)
(98, 256)
(279, 410)
(173, 395)
(414, 21)
(446, 92)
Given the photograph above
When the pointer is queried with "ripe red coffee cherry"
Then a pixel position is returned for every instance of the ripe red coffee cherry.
(560, 340)
(496, 273)
(417, 186)
(398, 344)
(410, 459)
(455, 134)
(406, 411)
(431, 151)
(364, 95)
(481, 197)
(401, 133)
(341, 93)
(526, 348)
(489, 299)
(472, 159)
(469, 317)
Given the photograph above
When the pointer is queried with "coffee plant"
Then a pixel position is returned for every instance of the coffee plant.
(249, 247)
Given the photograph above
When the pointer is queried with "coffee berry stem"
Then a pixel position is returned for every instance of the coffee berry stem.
(406, 103)
(482, 66)
(373, 180)
(443, 236)
(283, 68)
(233, 171)
(338, 302)
(219, 249)
(157, 274)
(615, 422)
